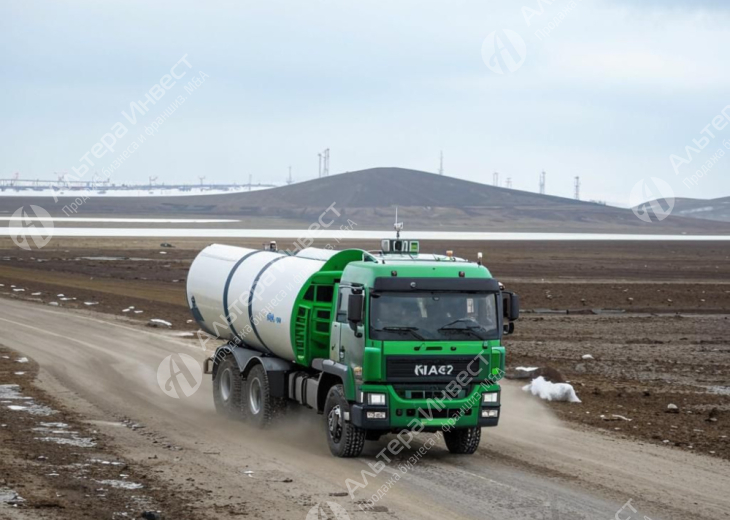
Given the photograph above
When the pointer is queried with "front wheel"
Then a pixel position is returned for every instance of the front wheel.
(344, 438)
(463, 441)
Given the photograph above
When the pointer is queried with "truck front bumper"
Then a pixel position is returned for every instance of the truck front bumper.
(425, 415)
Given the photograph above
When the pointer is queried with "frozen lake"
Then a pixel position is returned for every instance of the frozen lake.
(334, 234)
(121, 220)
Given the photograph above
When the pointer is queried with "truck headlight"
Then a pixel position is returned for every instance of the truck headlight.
(490, 397)
(376, 415)
(376, 399)
(490, 413)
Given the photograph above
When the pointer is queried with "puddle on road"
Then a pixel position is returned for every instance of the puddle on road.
(79, 442)
(10, 393)
(8, 496)
(108, 462)
(721, 390)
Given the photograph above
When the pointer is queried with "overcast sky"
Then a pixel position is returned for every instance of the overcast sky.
(609, 94)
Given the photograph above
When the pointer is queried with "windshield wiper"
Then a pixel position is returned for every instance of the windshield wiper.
(466, 328)
(412, 330)
(448, 326)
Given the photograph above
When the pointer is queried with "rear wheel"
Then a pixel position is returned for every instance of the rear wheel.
(344, 438)
(463, 441)
(260, 407)
(227, 385)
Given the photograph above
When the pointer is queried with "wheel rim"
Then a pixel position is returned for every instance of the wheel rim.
(254, 396)
(226, 384)
(334, 420)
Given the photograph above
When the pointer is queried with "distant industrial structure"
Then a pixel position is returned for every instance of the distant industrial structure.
(441, 164)
(495, 179)
(324, 163)
(577, 188)
(542, 182)
(100, 184)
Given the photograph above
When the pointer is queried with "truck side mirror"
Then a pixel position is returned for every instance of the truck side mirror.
(511, 305)
(354, 309)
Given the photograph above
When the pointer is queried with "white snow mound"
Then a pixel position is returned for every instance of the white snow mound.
(155, 322)
(551, 391)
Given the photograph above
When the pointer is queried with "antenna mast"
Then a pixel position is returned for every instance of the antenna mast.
(542, 183)
(324, 163)
(398, 225)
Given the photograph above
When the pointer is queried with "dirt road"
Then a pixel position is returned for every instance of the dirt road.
(531, 466)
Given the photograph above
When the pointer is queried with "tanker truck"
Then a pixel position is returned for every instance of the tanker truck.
(376, 342)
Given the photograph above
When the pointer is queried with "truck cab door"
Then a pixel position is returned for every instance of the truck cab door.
(339, 321)
(349, 347)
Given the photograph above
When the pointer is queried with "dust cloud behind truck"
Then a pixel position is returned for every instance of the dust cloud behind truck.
(377, 342)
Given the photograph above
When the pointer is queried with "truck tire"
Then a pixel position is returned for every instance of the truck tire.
(260, 408)
(227, 385)
(463, 441)
(344, 438)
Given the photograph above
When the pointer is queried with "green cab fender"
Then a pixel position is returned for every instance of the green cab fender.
(337, 371)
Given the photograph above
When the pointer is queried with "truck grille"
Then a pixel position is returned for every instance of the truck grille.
(429, 391)
(407, 369)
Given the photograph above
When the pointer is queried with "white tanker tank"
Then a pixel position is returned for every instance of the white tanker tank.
(248, 295)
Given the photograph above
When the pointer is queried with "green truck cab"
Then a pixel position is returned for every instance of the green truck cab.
(420, 336)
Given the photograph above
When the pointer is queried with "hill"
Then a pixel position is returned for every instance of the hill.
(369, 197)
(707, 209)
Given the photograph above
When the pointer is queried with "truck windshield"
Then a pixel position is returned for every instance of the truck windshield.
(434, 316)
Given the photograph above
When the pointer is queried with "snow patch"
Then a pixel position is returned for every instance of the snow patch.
(154, 322)
(551, 391)
(121, 484)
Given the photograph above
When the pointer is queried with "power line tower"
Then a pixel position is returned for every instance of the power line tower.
(542, 182)
(202, 178)
(324, 163)
(152, 180)
(495, 179)
(508, 183)
(441, 164)
(577, 188)
(319, 171)
(250, 181)
(289, 180)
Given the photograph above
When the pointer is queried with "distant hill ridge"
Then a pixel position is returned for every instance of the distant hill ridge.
(388, 187)
(426, 201)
